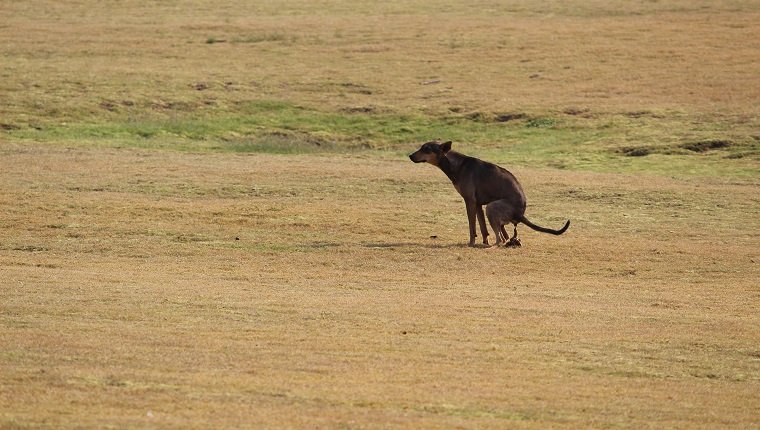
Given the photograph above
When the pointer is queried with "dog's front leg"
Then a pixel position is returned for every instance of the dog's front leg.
(471, 210)
(482, 221)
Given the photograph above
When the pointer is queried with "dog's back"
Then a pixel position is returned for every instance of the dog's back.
(490, 182)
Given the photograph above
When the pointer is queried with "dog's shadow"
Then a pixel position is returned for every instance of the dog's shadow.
(391, 245)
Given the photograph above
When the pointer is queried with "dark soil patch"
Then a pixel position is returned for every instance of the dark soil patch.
(505, 117)
(706, 145)
(355, 88)
(638, 113)
(359, 109)
(8, 127)
(636, 151)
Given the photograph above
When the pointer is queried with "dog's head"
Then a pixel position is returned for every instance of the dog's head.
(431, 152)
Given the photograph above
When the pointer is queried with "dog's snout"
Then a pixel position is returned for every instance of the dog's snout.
(420, 156)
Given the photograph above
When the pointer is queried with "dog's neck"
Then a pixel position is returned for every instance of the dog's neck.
(450, 165)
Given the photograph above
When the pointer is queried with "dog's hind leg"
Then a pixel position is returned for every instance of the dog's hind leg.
(495, 227)
(503, 234)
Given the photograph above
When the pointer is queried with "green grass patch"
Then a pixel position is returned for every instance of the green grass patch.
(270, 126)
(612, 143)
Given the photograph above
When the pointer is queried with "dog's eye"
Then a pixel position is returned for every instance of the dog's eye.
(427, 149)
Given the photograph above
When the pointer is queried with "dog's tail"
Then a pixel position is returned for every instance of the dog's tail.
(525, 221)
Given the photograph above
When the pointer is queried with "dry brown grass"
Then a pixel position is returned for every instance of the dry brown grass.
(145, 288)
(126, 294)
(693, 57)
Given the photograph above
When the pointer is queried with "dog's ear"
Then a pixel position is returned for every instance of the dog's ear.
(446, 147)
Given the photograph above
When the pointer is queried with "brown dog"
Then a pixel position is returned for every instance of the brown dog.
(479, 183)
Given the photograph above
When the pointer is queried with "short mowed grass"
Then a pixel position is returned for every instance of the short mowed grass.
(208, 218)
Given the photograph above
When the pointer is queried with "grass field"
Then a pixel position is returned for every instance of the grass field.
(208, 220)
